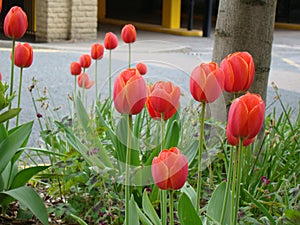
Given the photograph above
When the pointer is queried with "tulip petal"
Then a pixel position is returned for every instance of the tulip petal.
(255, 120)
(237, 119)
(160, 173)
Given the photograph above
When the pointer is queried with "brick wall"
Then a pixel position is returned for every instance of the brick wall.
(66, 19)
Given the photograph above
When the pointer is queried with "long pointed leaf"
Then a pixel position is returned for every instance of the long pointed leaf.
(133, 215)
(149, 210)
(9, 114)
(186, 211)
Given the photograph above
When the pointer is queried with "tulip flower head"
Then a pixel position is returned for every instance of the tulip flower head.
(128, 33)
(97, 51)
(170, 169)
(15, 23)
(142, 68)
(206, 82)
(129, 92)
(246, 116)
(84, 81)
(235, 141)
(75, 68)
(110, 41)
(0, 6)
(239, 72)
(85, 61)
(23, 55)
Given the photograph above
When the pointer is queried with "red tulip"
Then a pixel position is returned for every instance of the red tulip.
(170, 169)
(23, 55)
(235, 141)
(206, 82)
(85, 61)
(75, 68)
(15, 23)
(129, 92)
(163, 96)
(246, 116)
(97, 51)
(142, 68)
(128, 33)
(84, 81)
(239, 72)
(0, 6)
(0, 76)
(110, 41)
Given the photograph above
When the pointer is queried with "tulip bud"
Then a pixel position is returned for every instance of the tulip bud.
(75, 68)
(84, 81)
(142, 68)
(97, 51)
(15, 23)
(128, 33)
(23, 55)
(110, 41)
(246, 116)
(206, 82)
(239, 72)
(85, 61)
(170, 169)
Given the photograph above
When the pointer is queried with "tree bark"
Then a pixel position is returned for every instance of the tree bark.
(245, 25)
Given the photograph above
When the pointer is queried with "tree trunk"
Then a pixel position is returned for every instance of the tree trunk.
(245, 25)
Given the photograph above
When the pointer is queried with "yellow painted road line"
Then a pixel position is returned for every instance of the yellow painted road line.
(291, 62)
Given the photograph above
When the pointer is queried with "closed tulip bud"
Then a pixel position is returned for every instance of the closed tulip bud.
(239, 72)
(206, 82)
(75, 68)
(246, 116)
(23, 55)
(128, 33)
(164, 96)
(142, 68)
(170, 169)
(97, 51)
(85, 61)
(110, 41)
(15, 23)
(129, 92)
(235, 141)
(84, 81)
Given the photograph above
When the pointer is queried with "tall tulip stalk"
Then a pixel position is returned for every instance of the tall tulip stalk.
(97, 52)
(206, 85)
(129, 99)
(128, 35)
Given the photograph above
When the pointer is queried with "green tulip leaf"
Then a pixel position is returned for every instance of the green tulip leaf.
(292, 215)
(30, 199)
(215, 204)
(191, 151)
(82, 114)
(172, 135)
(186, 211)
(149, 210)
(9, 114)
(133, 214)
(190, 192)
(143, 218)
(10, 145)
(78, 219)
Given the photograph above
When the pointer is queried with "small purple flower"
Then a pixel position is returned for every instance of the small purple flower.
(265, 180)
(148, 190)
(39, 115)
(101, 214)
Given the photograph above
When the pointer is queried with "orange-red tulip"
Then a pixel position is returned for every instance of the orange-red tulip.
(75, 68)
(23, 55)
(0, 76)
(129, 92)
(163, 96)
(206, 82)
(246, 116)
(170, 169)
(235, 141)
(142, 68)
(84, 81)
(0, 6)
(85, 61)
(110, 41)
(239, 72)
(128, 33)
(15, 23)
(97, 51)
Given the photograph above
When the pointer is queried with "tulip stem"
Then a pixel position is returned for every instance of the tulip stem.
(109, 74)
(228, 182)
(19, 94)
(201, 136)
(163, 197)
(233, 187)
(127, 171)
(129, 55)
(96, 78)
(171, 199)
(11, 75)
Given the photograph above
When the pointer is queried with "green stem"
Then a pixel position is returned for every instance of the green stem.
(75, 94)
(201, 137)
(171, 199)
(238, 183)
(19, 94)
(11, 91)
(96, 78)
(127, 171)
(129, 55)
(109, 75)
(163, 197)
(227, 190)
(233, 188)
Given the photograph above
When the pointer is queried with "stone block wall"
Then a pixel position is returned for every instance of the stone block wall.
(58, 20)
